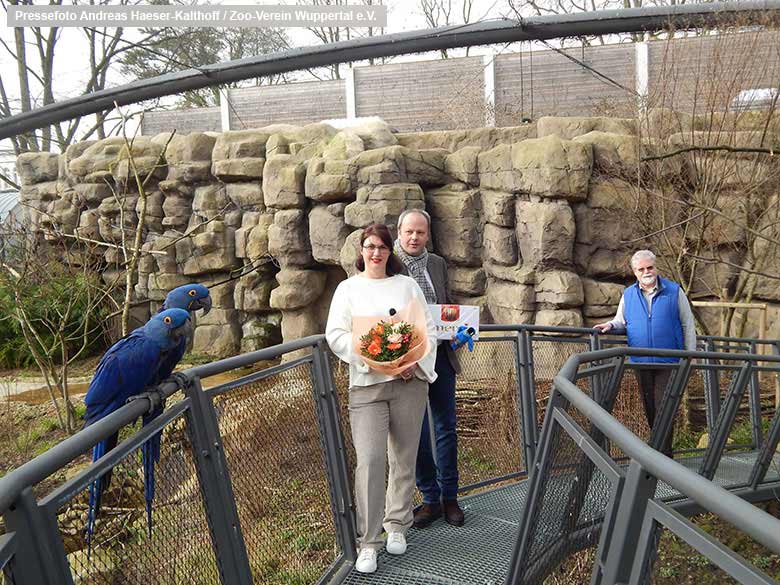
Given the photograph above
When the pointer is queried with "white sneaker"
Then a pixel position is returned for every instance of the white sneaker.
(396, 543)
(366, 561)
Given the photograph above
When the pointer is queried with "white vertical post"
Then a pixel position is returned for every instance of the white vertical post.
(224, 108)
(349, 90)
(642, 73)
(489, 68)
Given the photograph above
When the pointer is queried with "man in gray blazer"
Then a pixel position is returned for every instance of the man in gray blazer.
(437, 479)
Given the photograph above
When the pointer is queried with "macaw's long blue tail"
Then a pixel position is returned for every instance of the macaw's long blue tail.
(98, 487)
(150, 455)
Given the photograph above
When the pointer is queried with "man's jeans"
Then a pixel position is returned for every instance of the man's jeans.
(652, 387)
(439, 479)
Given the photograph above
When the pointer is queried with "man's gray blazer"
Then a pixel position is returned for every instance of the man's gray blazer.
(437, 270)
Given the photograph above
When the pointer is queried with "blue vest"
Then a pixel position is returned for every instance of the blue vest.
(661, 328)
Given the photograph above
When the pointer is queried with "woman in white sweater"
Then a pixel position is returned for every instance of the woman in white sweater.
(385, 412)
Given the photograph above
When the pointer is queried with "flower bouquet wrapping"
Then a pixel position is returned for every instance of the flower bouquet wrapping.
(390, 344)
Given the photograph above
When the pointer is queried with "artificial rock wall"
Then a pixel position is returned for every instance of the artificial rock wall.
(530, 219)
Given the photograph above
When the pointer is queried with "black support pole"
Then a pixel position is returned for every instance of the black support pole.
(217, 489)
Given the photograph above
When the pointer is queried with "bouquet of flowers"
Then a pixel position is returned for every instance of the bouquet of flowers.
(389, 346)
(387, 341)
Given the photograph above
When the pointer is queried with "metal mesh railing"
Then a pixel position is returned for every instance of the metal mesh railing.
(7, 560)
(272, 445)
(564, 522)
(570, 505)
(488, 410)
(272, 439)
(177, 551)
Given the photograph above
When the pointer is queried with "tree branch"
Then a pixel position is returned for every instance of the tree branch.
(768, 151)
(662, 230)
(8, 180)
(732, 264)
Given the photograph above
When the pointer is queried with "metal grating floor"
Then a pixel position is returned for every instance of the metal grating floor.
(475, 554)
(479, 552)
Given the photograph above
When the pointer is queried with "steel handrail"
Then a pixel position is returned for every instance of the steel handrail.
(761, 526)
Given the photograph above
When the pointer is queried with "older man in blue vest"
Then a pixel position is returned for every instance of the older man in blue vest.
(656, 314)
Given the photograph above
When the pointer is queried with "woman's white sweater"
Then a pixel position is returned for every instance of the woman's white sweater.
(359, 296)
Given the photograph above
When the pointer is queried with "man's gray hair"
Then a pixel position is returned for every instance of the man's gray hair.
(407, 212)
(641, 255)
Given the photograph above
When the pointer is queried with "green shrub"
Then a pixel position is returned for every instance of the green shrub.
(46, 299)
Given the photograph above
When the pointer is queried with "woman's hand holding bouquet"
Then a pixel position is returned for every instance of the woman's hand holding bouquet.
(392, 347)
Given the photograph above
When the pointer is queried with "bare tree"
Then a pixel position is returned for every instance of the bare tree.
(705, 187)
(177, 49)
(57, 299)
(35, 51)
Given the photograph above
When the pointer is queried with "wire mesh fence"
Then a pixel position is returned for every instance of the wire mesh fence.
(175, 549)
(272, 445)
(574, 496)
(549, 355)
(488, 411)
(7, 566)
(574, 501)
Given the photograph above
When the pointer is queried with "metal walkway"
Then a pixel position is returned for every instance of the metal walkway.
(479, 552)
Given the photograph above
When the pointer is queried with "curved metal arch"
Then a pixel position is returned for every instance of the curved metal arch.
(483, 33)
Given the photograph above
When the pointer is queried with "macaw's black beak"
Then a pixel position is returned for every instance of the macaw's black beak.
(185, 331)
(204, 303)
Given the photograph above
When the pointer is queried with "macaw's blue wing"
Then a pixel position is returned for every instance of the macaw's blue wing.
(125, 370)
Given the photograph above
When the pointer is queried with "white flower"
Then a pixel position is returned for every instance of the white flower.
(395, 338)
(398, 328)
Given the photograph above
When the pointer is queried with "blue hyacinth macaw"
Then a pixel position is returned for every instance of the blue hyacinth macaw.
(127, 369)
(188, 297)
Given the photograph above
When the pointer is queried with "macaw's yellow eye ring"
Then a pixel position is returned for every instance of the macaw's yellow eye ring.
(192, 292)
(167, 320)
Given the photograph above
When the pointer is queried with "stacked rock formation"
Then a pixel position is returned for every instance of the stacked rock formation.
(531, 220)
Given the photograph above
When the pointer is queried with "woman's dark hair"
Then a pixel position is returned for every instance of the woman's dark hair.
(394, 265)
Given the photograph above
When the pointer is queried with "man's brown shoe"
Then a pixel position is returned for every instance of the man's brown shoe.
(452, 513)
(426, 514)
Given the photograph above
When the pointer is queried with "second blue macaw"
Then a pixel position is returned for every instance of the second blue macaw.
(189, 297)
(127, 369)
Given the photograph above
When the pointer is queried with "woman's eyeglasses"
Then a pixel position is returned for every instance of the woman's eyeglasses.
(371, 248)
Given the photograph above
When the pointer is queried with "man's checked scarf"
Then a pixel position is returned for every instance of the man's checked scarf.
(417, 265)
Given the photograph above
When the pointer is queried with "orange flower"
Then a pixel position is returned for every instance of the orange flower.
(393, 345)
(375, 348)
(378, 330)
(376, 339)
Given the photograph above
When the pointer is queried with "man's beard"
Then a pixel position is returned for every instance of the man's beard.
(647, 280)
